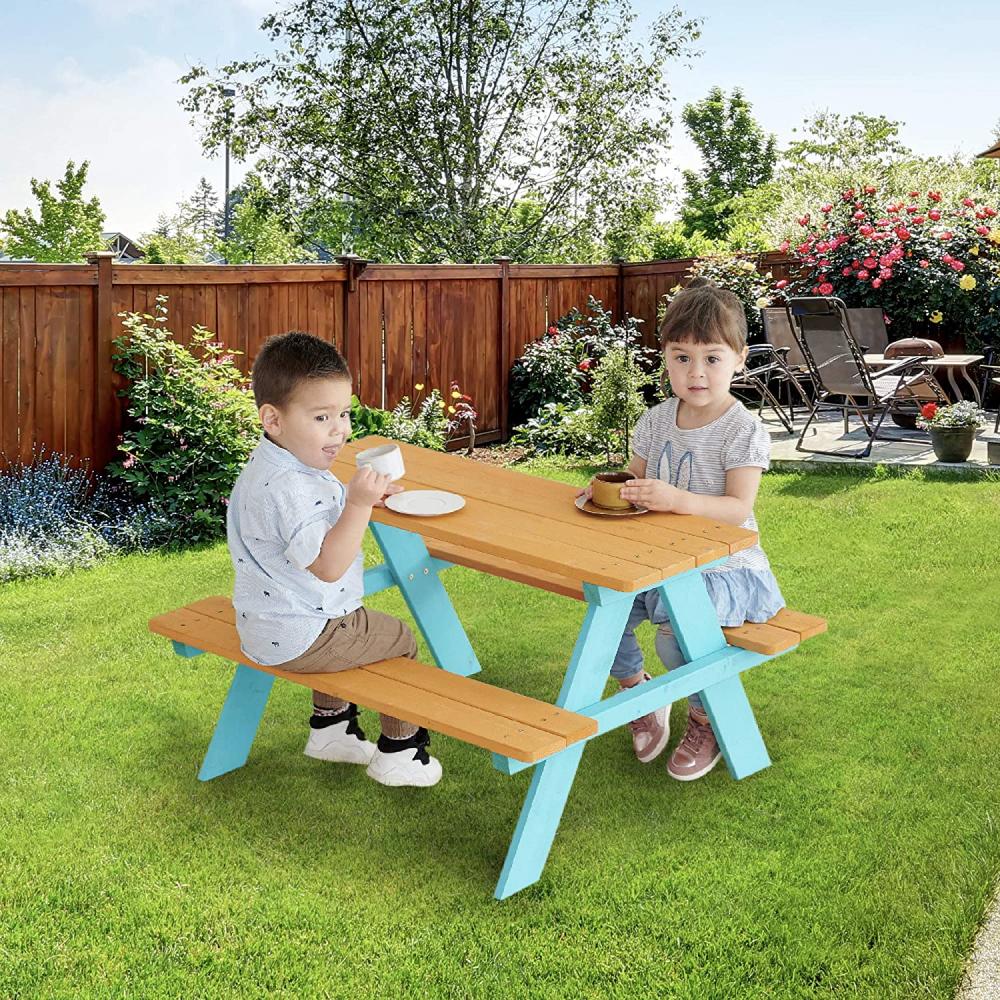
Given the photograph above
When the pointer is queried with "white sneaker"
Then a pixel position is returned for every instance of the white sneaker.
(340, 743)
(409, 766)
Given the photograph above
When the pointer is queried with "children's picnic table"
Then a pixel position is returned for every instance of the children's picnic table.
(526, 528)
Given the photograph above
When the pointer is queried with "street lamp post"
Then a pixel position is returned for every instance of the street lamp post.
(227, 92)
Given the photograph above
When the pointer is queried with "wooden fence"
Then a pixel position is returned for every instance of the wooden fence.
(397, 325)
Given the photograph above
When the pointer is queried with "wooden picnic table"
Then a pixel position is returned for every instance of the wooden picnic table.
(528, 529)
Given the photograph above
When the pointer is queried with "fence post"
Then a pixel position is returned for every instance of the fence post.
(504, 264)
(354, 266)
(107, 411)
(620, 261)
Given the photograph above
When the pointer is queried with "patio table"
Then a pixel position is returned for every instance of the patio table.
(954, 364)
(527, 528)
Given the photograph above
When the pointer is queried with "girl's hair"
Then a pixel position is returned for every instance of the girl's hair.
(705, 314)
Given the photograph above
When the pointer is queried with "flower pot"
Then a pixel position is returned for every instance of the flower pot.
(952, 444)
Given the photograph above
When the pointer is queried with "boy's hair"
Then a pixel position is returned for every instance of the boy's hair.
(287, 359)
(706, 314)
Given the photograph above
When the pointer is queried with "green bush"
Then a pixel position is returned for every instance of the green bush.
(557, 429)
(193, 424)
(617, 400)
(367, 420)
(425, 424)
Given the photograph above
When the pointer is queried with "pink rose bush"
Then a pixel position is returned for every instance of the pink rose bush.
(926, 265)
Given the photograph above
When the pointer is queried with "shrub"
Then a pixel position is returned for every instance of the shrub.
(617, 400)
(194, 424)
(425, 424)
(557, 429)
(927, 265)
(367, 420)
(55, 518)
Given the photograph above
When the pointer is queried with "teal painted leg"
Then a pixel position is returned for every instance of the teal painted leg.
(238, 722)
(553, 778)
(415, 573)
(696, 626)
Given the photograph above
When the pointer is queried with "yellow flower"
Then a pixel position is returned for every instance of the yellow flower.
(995, 236)
(456, 395)
(974, 250)
(675, 289)
(419, 386)
(746, 265)
(966, 282)
(936, 316)
(451, 409)
(762, 302)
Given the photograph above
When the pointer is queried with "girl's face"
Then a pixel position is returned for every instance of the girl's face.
(700, 374)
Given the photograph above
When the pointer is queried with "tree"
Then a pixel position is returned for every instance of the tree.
(200, 214)
(67, 227)
(846, 142)
(259, 233)
(738, 157)
(431, 121)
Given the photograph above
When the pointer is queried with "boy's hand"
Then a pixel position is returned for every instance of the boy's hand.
(654, 494)
(392, 488)
(367, 487)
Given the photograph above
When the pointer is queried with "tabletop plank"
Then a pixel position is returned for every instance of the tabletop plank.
(687, 533)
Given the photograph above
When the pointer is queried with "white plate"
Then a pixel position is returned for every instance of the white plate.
(424, 503)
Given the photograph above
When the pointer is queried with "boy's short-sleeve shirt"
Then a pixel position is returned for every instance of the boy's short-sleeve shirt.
(698, 459)
(279, 513)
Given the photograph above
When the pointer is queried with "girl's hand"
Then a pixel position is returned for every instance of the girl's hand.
(587, 492)
(390, 489)
(654, 494)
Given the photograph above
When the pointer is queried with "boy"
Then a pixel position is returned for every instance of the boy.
(295, 534)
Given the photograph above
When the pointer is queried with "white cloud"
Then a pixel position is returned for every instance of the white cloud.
(144, 155)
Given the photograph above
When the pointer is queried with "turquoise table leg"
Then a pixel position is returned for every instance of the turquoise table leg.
(415, 573)
(238, 722)
(696, 626)
(607, 614)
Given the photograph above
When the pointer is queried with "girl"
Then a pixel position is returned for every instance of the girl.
(700, 452)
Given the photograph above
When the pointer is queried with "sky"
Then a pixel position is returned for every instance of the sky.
(96, 80)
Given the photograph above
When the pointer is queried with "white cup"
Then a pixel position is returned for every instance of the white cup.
(386, 459)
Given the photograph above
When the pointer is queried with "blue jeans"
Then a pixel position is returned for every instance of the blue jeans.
(647, 606)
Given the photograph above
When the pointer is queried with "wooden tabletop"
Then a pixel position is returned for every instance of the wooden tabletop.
(532, 522)
(945, 361)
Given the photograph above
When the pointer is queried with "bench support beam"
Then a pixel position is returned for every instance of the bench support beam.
(415, 572)
(238, 722)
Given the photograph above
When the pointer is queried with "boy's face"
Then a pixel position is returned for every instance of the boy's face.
(314, 423)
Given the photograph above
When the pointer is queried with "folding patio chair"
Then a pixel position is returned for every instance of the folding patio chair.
(838, 369)
(763, 365)
(868, 327)
(990, 369)
(780, 337)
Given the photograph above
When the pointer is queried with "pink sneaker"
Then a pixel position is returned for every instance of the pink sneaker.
(651, 732)
(698, 751)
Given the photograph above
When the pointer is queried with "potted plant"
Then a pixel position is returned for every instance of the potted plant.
(952, 429)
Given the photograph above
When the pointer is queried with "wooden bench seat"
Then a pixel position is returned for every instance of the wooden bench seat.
(784, 631)
(494, 718)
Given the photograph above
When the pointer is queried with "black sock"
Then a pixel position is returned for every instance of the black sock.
(349, 715)
(419, 741)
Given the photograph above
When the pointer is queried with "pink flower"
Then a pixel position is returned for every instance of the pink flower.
(862, 275)
(933, 195)
(989, 212)
(553, 330)
(914, 194)
(947, 258)
(934, 215)
(846, 272)
(860, 216)
(911, 209)
(585, 365)
(784, 246)
(924, 263)
(946, 235)
(957, 265)
(827, 207)
(804, 248)
(847, 195)
(918, 219)
(866, 230)
(781, 284)
(968, 203)
(877, 283)
(885, 273)
(870, 262)
(804, 220)
(129, 462)
(826, 288)
(983, 230)
(902, 233)
(225, 502)
(869, 189)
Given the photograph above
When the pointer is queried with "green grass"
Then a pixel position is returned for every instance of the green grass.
(857, 865)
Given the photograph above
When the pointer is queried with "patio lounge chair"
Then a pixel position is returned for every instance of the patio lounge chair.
(990, 369)
(763, 365)
(836, 363)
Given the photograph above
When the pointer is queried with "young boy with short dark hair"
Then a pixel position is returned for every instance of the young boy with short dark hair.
(295, 535)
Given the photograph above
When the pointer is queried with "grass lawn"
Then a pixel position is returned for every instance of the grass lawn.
(857, 865)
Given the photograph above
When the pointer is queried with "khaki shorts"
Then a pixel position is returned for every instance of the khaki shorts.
(358, 638)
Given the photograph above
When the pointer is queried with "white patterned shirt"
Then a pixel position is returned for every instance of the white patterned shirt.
(279, 513)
